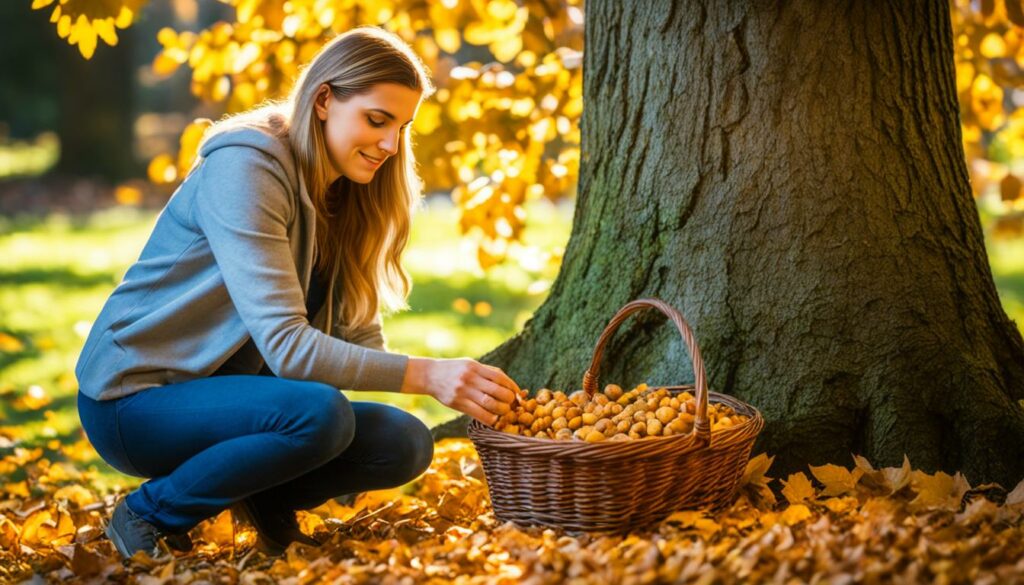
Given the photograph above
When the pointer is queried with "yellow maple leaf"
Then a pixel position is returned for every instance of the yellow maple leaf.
(898, 477)
(938, 490)
(798, 489)
(695, 520)
(838, 481)
(756, 469)
(795, 513)
(82, 22)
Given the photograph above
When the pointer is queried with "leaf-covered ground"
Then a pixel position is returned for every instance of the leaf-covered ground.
(828, 525)
(833, 525)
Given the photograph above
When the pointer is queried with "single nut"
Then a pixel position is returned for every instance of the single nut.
(666, 414)
(613, 391)
(653, 427)
(677, 426)
(594, 436)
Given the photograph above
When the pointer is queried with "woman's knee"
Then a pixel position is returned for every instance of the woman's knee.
(416, 449)
(328, 423)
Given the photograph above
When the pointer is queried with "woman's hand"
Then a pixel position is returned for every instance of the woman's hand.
(483, 392)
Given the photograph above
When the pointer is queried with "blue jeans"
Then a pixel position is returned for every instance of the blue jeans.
(286, 444)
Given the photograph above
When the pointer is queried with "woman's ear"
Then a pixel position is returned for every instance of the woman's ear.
(323, 93)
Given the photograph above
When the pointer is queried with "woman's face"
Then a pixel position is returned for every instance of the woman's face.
(364, 130)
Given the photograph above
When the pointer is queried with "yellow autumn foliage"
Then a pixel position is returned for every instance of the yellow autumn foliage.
(506, 129)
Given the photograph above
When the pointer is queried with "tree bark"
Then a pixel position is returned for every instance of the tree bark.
(791, 177)
(97, 111)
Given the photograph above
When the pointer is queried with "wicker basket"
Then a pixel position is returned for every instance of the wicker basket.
(619, 485)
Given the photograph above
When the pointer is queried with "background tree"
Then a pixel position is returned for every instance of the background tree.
(801, 195)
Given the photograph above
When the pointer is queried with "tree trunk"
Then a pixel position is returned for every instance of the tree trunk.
(790, 176)
(96, 111)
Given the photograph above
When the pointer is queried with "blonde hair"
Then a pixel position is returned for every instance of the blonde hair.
(361, 229)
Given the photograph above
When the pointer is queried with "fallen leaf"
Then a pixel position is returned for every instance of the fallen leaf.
(838, 481)
(798, 489)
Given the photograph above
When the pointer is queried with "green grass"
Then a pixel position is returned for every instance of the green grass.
(28, 158)
(58, 271)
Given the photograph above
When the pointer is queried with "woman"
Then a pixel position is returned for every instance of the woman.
(214, 366)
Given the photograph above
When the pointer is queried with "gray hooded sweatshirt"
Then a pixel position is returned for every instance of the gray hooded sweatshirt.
(231, 258)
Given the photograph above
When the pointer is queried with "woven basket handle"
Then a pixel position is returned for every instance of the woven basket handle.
(701, 426)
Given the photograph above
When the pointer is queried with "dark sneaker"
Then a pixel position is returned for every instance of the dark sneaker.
(130, 533)
(179, 542)
(275, 530)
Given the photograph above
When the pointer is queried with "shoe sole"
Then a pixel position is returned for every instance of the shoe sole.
(115, 538)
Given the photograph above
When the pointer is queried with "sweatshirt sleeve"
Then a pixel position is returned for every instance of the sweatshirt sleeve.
(243, 205)
(372, 335)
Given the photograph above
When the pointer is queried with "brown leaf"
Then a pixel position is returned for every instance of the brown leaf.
(1009, 187)
(1016, 496)
(863, 464)
(85, 563)
(898, 477)
(978, 511)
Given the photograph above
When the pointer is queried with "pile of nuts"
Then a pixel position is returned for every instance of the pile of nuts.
(612, 415)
